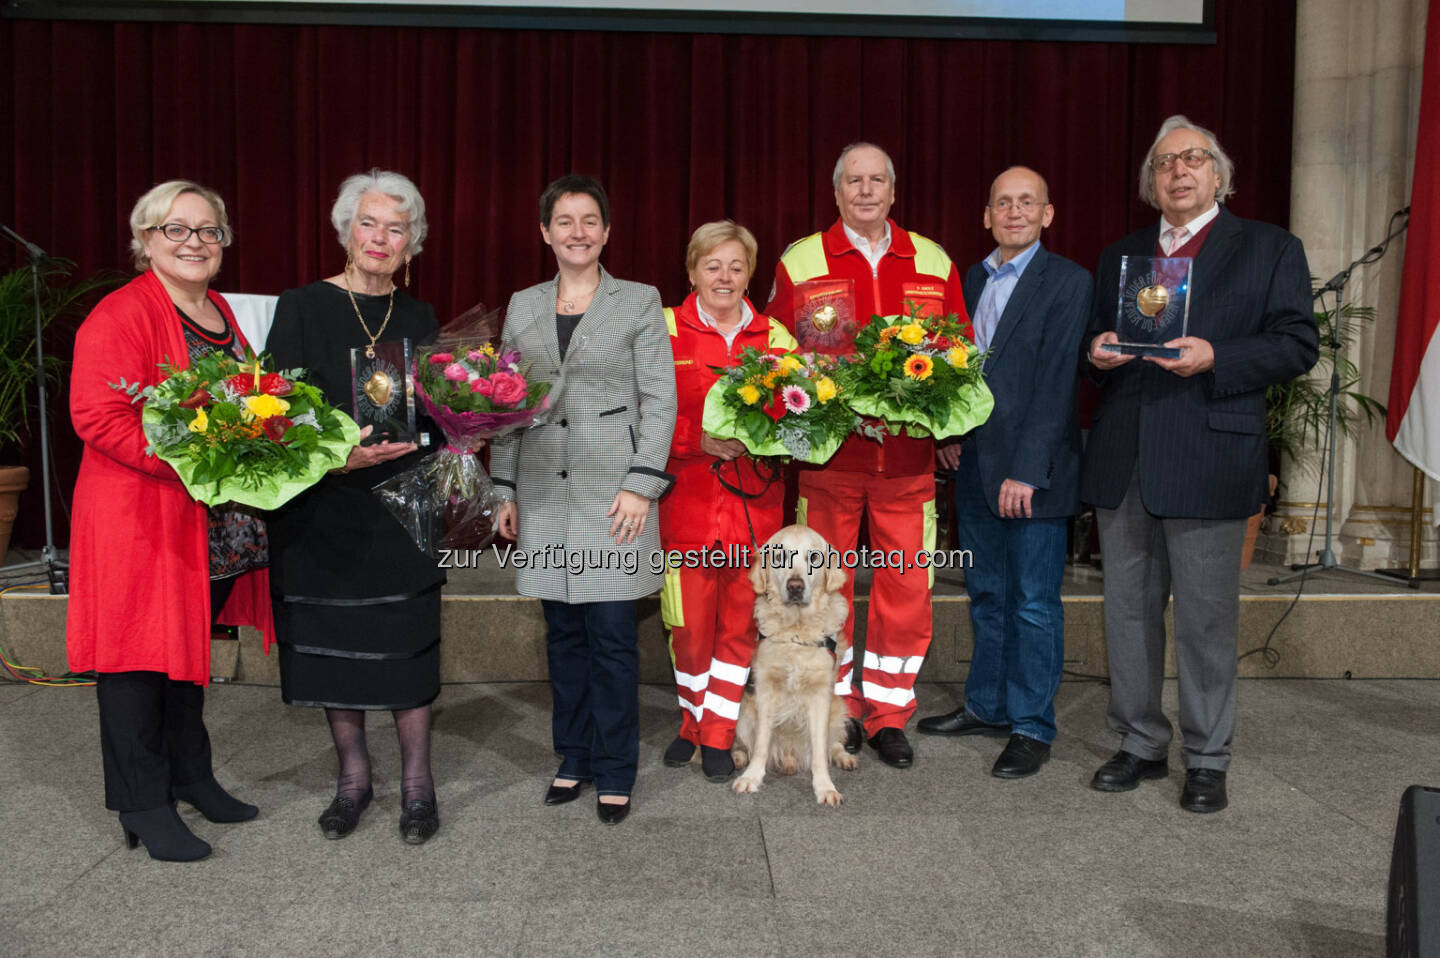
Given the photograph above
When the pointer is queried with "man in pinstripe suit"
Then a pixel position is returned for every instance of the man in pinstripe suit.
(1176, 458)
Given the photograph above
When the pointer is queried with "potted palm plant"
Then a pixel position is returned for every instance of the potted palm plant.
(60, 296)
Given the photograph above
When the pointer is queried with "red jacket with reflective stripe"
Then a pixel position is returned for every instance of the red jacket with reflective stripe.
(913, 269)
(698, 510)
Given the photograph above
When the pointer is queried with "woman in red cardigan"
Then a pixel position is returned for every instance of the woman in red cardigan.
(151, 568)
(721, 498)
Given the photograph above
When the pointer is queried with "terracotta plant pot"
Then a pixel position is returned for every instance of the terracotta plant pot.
(13, 480)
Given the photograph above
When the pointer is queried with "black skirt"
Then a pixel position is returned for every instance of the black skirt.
(379, 653)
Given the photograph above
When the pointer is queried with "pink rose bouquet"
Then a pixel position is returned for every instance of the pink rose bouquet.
(474, 393)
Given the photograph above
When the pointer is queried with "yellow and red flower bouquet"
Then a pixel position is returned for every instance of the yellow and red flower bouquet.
(236, 433)
(781, 405)
(917, 372)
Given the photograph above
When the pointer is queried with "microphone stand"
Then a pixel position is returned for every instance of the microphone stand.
(1326, 561)
(55, 570)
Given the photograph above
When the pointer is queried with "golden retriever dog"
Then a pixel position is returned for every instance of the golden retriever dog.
(793, 719)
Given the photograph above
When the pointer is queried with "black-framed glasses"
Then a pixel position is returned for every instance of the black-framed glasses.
(1194, 158)
(180, 233)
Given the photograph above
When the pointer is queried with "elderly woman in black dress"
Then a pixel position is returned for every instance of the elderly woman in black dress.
(357, 604)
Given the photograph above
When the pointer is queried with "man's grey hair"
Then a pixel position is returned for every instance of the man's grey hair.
(1224, 166)
(394, 185)
(840, 163)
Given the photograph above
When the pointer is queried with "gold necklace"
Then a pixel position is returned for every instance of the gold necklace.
(369, 350)
(569, 304)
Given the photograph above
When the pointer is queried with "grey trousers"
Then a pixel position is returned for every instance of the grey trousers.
(1146, 557)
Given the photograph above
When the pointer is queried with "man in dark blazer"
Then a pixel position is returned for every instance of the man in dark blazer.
(1175, 460)
(1017, 481)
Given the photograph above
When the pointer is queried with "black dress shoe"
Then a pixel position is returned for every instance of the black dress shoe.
(1126, 770)
(611, 813)
(560, 794)
(679, 753)
(165, 836)
(892, 747)
(716, 763)
(1204, 790)
(343, 814)
(1022, 757)
(958, 722)
(854, 735)
(419, 821)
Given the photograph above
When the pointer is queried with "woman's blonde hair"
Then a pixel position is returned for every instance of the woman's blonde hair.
(711, 235)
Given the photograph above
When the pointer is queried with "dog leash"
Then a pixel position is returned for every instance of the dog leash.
(739, 489)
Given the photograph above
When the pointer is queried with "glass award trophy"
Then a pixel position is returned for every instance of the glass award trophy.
(825, 316)
(1154, 305)
(383, 390)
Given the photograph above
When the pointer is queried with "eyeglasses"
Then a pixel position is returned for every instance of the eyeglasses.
(1193, 157)
(1026, 204)
(180, 233)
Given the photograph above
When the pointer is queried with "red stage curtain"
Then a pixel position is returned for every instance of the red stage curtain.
(680, 128)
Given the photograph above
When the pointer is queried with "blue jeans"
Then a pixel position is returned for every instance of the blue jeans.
(1015, 610)
(595, 681)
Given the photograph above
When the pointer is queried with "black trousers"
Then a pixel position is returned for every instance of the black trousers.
(152, 731)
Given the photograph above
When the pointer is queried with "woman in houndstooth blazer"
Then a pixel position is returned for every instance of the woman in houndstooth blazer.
(581, 488)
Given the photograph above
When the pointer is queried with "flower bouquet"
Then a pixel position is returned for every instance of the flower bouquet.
(779, 406)
(917, 372)
(473, 393)
(236, 433)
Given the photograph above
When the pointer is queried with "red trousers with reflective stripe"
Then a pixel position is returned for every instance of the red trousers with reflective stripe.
(897, 630)
(712, 651)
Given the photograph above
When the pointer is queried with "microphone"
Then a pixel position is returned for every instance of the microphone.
(28, 246)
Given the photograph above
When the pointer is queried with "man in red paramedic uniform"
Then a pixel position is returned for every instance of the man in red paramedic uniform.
(891, 483)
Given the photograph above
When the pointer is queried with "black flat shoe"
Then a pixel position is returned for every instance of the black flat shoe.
(343, 814)
(1022, 758)
(419, 821)
(611, 813)
(560, 794)
(893, 747)
(716, 763)
(1204, 790)
(679, 753)
(854, 735)
(1126, 770)
(165, 836)
(212, 801)
(958, 722)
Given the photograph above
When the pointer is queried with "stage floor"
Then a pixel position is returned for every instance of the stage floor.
(940, 859)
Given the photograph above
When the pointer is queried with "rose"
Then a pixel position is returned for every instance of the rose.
(276, 426)
(509, 389)
(263, 407)
(825, 389)
(456, 373)
(942, 342)
(912, 333)
(441, 359)
(482, 386)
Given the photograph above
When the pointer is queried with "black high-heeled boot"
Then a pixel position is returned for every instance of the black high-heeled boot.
(165, 836)
(212, 801)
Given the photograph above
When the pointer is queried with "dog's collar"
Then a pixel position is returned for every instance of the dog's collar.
(828, 643)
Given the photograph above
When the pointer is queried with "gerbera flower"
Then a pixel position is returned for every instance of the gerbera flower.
(919, 367)
(796, 399)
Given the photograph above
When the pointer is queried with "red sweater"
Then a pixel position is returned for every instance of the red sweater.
(139, 545)
(913, 269)
(698, 510)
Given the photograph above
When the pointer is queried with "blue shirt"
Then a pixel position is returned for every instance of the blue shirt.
(1004, 277)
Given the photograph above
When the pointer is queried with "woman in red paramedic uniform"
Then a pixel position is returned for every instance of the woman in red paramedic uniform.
(724, 504)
